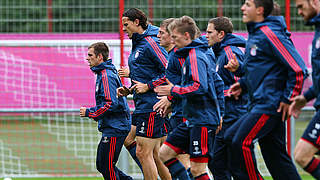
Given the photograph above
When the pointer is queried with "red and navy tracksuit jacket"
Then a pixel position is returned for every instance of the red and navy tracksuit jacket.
(174, 74)
(314, 90)
(274, 71)
(224, 52)
(197, 89)
(147, 63)
(111, 112)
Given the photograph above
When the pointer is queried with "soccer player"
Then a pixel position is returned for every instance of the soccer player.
(274, 74)
(309, 143)
(111, 112)
(226, 47)
(200, 107)
(147, 63)
(173, 74)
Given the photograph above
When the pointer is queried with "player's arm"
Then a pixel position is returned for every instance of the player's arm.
(219, 87)
(199, 81)
(283, 48)
(159, 57)
(109, 94)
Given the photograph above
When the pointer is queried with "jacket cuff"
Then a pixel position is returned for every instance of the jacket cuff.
(150, 85)
(285, 100)
(309, 95)
(87, 113)
(170, 98)
(242, 85)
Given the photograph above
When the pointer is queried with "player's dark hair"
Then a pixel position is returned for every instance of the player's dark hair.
(222, 24)
(100, 48)
(134, 13)
(185, 24)
(267, 6)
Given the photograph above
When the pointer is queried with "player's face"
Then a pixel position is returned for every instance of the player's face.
(305, 9)
(92, 59)
(164, 37)
(212, 34)
(128, 26)
(249, 11)
(180, 40)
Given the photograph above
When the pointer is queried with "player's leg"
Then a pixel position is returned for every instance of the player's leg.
(162, 169)
(200, 147)
(149, 132)
(131, 144)
(176, 143)
(218, 165)
(273, 149)
(308, 146)
(145, 148)
(108, 152)
(243, 133)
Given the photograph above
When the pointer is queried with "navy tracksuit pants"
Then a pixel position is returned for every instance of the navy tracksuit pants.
(270, 131)
(108, 153)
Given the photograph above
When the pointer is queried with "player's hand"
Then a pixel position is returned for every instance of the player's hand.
(139, 87)
(235, 90)
(297, 104)
(124, 72)
(164, 90)
(233, 64)
(83, 111)
(284, 108)
(122, 91)
(162, 106)
(220, 126)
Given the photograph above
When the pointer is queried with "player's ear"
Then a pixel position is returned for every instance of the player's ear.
(260, 10)
(136, 22)
(221, 34)
(100, 56)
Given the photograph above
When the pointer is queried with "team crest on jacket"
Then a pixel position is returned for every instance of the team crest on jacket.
(137, 54)
(253, 50)
(97, 87)
(318, 43)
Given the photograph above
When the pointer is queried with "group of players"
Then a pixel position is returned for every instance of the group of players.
(221, 100)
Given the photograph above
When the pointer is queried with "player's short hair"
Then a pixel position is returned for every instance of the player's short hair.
(165, 23)
(100, 48)
(135, 13)
(185, 24)
(267, 6)
(222, 24)
(276, 9)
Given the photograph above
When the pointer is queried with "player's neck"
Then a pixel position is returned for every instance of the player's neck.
(169, 48)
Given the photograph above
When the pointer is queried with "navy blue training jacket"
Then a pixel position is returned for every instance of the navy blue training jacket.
(174, 74)
(274, 70)
(147, 64)
(224, 51)
(112, 113)
(314, 90)
(197, 91)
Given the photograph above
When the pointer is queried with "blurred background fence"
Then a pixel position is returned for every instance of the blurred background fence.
(70, 16)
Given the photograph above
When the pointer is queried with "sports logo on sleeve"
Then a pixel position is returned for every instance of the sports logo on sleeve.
(253, 50)
(314, 131)
(137, 54)
(97, 87)
(318, 43)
